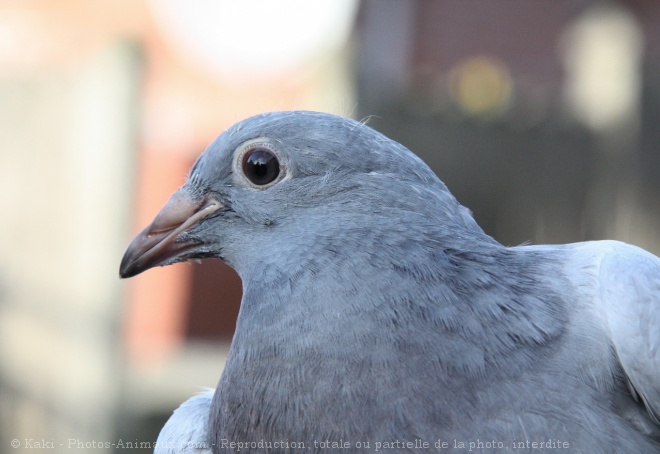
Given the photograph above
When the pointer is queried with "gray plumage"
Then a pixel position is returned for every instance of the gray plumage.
(376, 309)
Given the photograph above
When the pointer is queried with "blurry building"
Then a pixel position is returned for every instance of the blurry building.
(540, 116)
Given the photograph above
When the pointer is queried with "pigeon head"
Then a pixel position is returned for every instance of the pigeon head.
(290, 180)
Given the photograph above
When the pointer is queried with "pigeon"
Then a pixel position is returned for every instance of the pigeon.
(376, 314)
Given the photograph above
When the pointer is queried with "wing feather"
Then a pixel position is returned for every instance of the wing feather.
(629, 281)
(186, 432)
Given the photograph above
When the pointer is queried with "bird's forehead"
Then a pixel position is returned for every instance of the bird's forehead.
(313, 142)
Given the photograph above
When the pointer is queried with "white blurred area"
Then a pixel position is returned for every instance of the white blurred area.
(602, 54)
(255, 39)
(67, 141)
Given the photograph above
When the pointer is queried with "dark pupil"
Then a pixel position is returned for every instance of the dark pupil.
(261, 166)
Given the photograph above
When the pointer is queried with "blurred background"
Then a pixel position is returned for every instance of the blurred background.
(541, 116)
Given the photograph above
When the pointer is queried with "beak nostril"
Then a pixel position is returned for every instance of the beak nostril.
(156, 244)
(176, 211)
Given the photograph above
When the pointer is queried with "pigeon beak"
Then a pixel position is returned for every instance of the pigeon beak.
(157, 243)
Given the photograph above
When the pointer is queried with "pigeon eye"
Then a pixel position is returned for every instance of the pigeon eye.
(261, 166)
